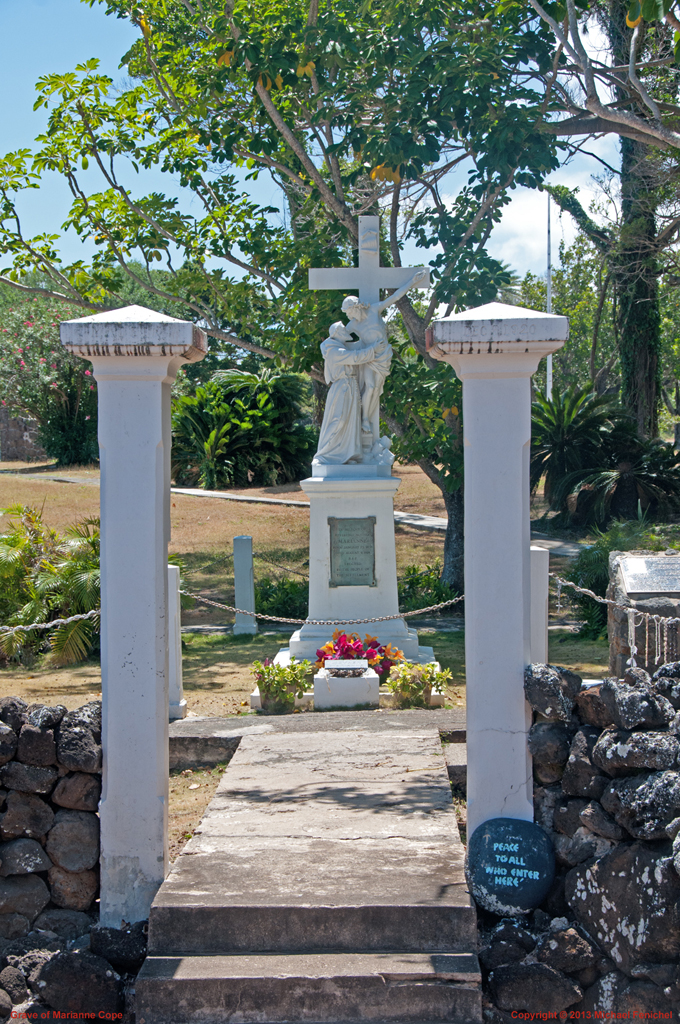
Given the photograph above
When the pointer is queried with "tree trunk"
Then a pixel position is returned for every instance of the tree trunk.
(452, 572)
(635, 261)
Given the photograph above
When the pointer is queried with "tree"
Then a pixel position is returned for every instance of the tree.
(349, 108)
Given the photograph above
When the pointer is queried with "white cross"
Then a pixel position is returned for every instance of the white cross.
(369, 277)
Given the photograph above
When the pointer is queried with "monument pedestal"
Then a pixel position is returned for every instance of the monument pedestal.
(352, 560)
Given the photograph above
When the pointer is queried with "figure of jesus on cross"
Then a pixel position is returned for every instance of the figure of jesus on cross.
(365, 314)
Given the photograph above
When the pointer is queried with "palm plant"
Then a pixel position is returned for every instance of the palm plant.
(43, 577)
(567, 436)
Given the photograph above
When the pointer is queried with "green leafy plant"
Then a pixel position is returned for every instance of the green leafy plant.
(590, 569)
(567, 433)
(243, 428)
(279, 685)
(286, 597)
(421, 586)
(39, 377)
(43, 577)
(412, 684)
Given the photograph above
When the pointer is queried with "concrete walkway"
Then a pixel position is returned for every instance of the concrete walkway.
(325, 883)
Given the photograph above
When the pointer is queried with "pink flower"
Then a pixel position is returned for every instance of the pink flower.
(88, 373)
(20, 350)
(87, 417)
(43, 360)
(28, 323)
(54, 366)
(91, 387)
(21, 362)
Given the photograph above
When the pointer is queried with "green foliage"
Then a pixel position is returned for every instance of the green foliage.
(44, 576)
(413, 684)
(279, 685)
(286, 597)
(40, 378)
(420, 587)
(242, 428)
(567, 433)
(590, 569)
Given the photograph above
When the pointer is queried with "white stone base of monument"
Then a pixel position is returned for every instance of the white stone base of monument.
(338, 692)
(305, 701)
(178, 710)
(352, 558)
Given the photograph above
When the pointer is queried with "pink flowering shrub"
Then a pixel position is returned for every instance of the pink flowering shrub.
(40, 378)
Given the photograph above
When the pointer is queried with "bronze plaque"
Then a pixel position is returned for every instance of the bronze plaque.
(352, 552)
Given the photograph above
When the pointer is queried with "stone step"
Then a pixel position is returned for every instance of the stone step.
(316, 987)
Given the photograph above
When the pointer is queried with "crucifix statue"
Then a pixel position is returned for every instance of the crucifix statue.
(366, 322)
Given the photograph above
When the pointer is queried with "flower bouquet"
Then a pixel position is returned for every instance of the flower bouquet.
(346, 647)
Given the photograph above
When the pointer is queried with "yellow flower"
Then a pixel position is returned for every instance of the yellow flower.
(368, 640)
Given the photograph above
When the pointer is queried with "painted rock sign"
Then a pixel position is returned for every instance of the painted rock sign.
(510, 866)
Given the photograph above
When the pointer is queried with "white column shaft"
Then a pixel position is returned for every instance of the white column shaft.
(497, 596)
(540, 567)
(133, 421)
(176, 701)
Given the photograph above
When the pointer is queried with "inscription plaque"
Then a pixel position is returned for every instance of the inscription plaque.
(510, 866)
(352, 552)
(659, 574)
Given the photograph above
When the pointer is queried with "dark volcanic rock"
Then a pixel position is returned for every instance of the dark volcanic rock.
(619, 750)
(566, 951)
(591, 709)
(80, 983)
(125, 948)
(23, 894)
(22, 857)
(549, 743)
(628, 902)
(532, 987)
(77, 748)
(566, 818)
(581, 777)
(13, 926)
(36, 746)
(583, 845)
(545, 798)
(595, 818)
(551, 690)
(14, 984)
(78, 791)
(44, 717)
(72, 890)
(73, 840)
(8, 743)
(26, 814)
(5, 1005)
(68, 924)
(13, 712)
(637, 677)
(89, 716)
(632, 706)
(27, 779)
(670, 689)
(644, 804)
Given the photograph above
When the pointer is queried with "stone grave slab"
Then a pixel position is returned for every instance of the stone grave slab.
(323, 855)
(651, 575)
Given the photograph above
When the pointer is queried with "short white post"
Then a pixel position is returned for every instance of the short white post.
(176, 701)
(540, 567)
(244, 585)
(135, 353)
(494, 350)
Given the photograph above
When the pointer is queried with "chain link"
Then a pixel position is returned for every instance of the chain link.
(607, 600)
(6, 630)
(323, 622)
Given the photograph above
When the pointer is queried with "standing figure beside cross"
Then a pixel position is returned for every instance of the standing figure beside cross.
(365, 316)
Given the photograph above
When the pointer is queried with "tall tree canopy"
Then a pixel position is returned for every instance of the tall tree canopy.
(427, 112)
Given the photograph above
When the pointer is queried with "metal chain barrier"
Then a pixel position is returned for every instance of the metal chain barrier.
(323, 622)
(660, 622)
(41, 626)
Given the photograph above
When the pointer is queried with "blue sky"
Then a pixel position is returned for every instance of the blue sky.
(48, 36)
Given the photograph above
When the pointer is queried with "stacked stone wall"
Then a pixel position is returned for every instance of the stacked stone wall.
(607, 791)
(19, 438)
(54, 957)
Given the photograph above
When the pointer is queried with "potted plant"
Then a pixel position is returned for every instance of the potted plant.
(279, 685)
(412, 685)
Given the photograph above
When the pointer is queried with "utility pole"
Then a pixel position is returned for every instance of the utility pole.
(549, 370)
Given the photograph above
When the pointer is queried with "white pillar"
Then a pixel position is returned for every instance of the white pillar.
(135, 354)
(494, 350)
(244, 585)
(176, 702)
(540, 567)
